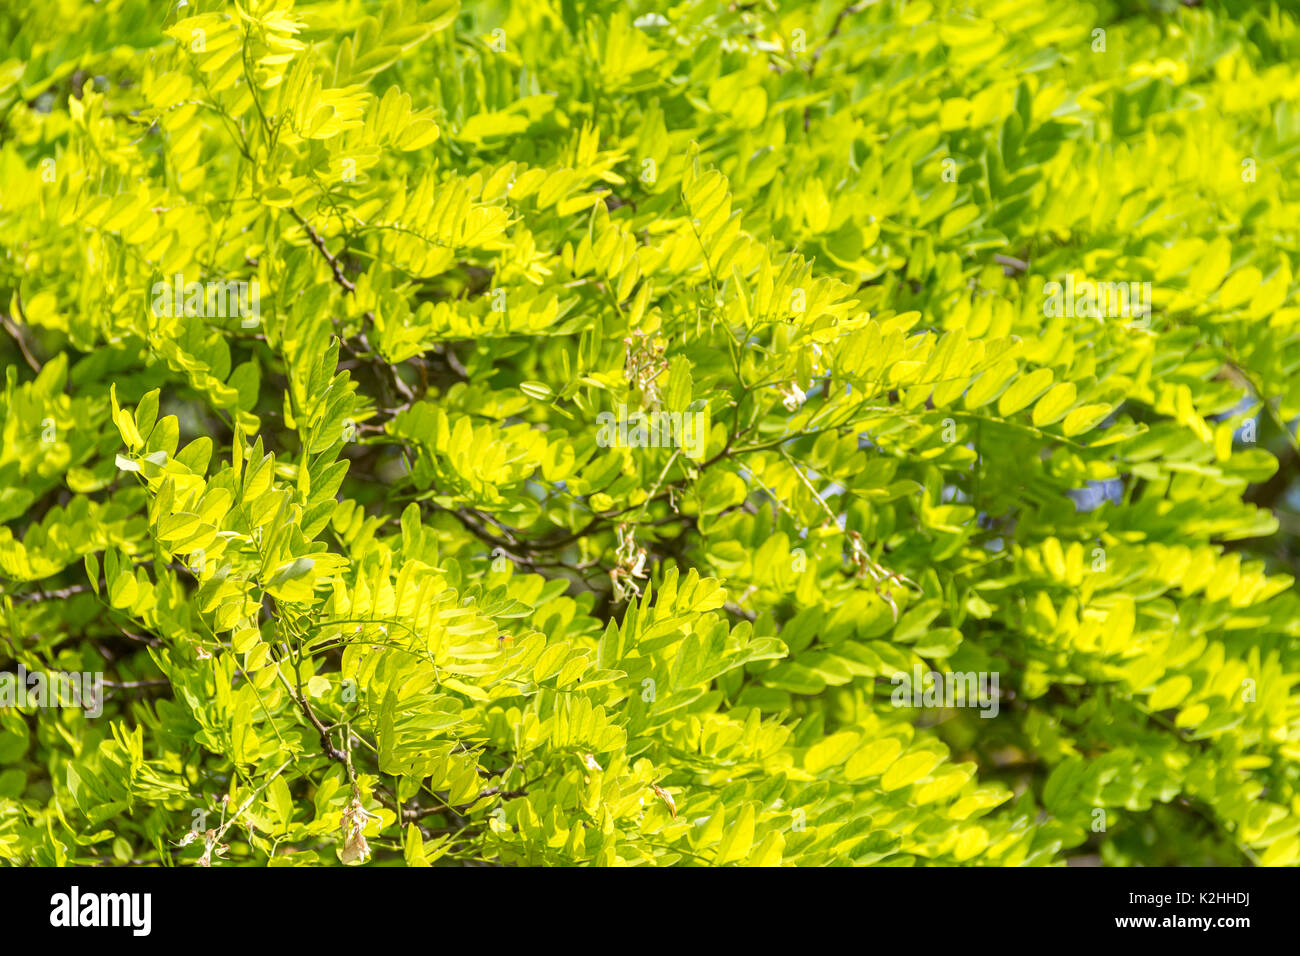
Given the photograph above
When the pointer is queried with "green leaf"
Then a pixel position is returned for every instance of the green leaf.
(1024, 390)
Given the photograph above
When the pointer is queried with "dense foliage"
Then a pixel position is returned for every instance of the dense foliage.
(550, 432)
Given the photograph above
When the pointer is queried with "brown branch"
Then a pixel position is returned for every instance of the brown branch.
(16, 332)
(835, 31)
(319, 243)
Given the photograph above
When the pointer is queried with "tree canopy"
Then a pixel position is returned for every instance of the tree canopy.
(590, 432)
